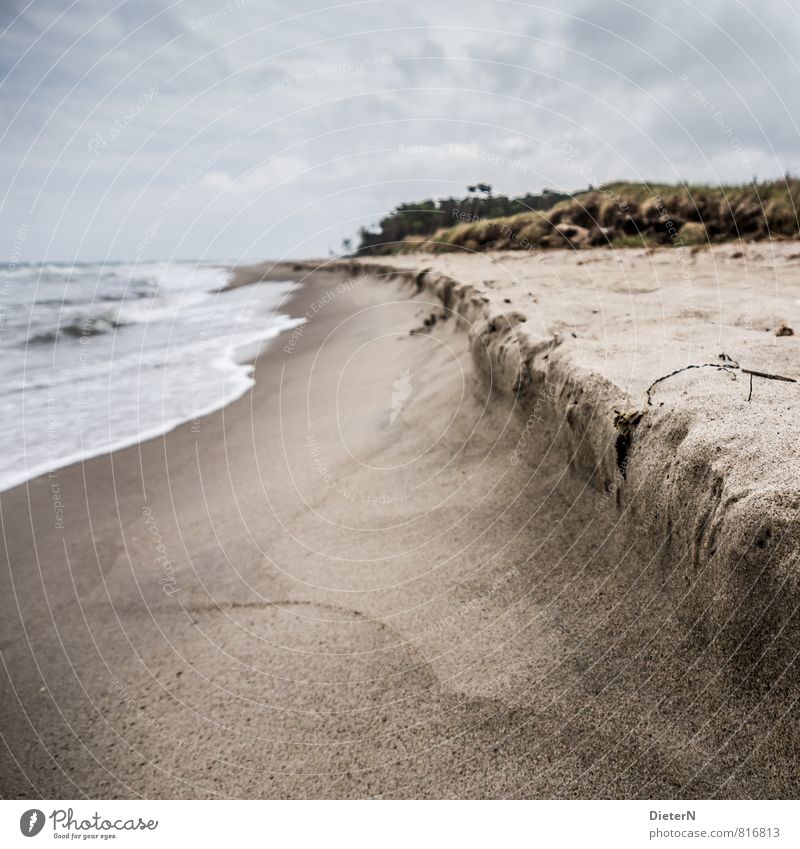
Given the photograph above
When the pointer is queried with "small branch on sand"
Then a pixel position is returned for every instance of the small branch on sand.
(768, 376)
(763, 374)
(727, 364)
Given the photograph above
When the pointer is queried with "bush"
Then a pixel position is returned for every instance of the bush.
(693, 233)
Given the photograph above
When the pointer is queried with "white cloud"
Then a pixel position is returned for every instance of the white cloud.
(320, 100)
(273, 174)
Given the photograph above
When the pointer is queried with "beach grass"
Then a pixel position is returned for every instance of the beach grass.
(620, 214)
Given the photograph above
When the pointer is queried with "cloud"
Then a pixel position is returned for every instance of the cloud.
(319, 109)
(277, 172)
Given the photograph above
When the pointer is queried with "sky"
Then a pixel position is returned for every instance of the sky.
(255, 129)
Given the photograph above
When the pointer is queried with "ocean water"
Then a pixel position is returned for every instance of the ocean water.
(97, 356)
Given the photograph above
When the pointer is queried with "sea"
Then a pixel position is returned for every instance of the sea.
(98, 356)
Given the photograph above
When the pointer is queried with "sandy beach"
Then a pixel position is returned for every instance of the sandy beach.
(457, 541)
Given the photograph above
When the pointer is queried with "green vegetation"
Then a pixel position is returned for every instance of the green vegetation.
(617, 214)
(413, 223)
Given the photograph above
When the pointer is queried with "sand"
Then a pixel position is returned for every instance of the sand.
(456, 559)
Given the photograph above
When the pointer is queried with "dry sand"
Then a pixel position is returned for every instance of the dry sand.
(455, 562)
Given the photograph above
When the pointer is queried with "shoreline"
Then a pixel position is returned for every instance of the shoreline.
(391, 574)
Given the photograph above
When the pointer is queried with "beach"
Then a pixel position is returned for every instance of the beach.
(459, 540)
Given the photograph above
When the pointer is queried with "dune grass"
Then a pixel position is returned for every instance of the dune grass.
(622, 214)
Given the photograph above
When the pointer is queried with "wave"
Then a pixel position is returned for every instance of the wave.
(77, 328)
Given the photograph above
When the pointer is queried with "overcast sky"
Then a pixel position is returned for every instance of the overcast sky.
(268, 128)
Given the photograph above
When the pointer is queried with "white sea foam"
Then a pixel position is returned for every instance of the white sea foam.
(95, 357)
